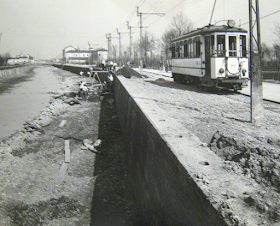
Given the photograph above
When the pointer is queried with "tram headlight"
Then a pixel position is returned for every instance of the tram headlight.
(231, 23)
(221, 71)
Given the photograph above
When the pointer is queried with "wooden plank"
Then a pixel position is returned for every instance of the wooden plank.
(67, 151)
(63, 169)
(63, 122)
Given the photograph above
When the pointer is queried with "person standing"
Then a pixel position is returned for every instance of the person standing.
(166, 65)
(103, 63)
(83, 91)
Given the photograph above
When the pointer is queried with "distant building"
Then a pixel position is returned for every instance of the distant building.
(21, 60)
(72, 55)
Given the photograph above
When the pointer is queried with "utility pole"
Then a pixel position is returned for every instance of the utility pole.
(120, 43)
(109, 38)
(141, 23)
(130, 37)
(255, 64)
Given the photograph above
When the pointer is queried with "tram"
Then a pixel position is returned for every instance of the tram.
(211, 56)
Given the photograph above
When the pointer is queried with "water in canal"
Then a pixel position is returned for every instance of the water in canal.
(26, 99)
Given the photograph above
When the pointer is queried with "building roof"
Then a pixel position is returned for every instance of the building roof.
(86, 50)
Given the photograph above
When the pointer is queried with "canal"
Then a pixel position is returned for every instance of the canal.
(25, 96)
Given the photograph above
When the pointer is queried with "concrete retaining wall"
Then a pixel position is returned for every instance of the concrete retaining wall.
(177, 180)
(76, 68)
(166, 193)
(8, 71)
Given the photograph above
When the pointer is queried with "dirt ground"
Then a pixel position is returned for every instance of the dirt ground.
(39, 188)
(221, 120)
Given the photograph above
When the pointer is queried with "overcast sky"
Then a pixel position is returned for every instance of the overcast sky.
(42, 28)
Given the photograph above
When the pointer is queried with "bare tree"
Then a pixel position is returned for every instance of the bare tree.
(277, 31)
(4, 58)
(147, 44)
(276, 49)
(114, 52)
(179, 26)
(7, 55)
(267, 54)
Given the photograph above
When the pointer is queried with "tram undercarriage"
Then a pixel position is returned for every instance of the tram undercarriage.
(221, 83)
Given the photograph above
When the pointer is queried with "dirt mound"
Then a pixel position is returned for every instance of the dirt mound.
(258, 162)
(128, 72)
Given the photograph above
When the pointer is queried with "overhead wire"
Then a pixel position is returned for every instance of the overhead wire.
(270, 14)
(175, 7)
(167, 12)
(141, 2)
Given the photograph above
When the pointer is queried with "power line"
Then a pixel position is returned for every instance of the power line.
(174, 7)
(131, 14)
(265, 16)
(167, 12)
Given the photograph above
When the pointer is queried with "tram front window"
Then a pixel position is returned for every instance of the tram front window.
(220, 45)
(243, 45)
(232, 46)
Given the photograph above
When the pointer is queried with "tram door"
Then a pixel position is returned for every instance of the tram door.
(207, 57)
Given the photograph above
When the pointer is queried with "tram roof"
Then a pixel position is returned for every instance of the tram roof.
(210, 29)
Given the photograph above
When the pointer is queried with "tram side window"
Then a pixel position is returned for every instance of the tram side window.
(190, 48)
(181, 50)
(232, 46)
(172, 49)
(185, 49)
(243, 45)
(177, 52)
(196, 47)
(221, 45)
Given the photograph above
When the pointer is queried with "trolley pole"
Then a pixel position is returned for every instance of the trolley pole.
(255, 64)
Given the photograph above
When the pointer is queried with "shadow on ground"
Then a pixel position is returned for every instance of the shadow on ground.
(112, 203)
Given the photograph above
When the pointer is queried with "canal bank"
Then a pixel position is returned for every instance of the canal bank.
(176, 176)
(24, 95)
(39, 188)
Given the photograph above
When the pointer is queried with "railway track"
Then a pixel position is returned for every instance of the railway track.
(270, 93)
(270, 88)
